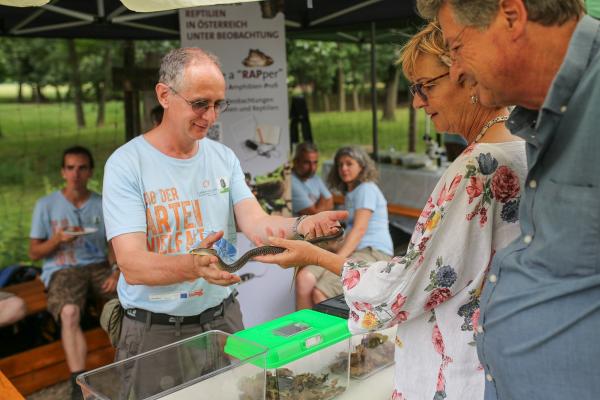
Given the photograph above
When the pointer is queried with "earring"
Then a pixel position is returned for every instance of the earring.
(474, 99)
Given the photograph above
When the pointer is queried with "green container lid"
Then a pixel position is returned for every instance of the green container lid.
(293, 336)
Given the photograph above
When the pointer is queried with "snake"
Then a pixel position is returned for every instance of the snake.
(258, 251)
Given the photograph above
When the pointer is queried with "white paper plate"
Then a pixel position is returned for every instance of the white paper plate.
(85, 231)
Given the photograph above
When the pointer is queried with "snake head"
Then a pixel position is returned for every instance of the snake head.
(203, 251)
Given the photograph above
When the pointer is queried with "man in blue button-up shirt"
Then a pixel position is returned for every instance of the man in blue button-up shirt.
(540, 309)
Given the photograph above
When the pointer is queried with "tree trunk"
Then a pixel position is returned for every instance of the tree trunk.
(20, 92)
(57, 93)
(391, 93)
(152, 59)
(34, 93)
(103, 87)
(341, 86)
(76, 83)
(39, 95)
(101, 100)
(412, 126)
(355, 99)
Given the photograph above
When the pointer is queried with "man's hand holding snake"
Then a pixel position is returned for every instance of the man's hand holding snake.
(205, 266)
(321, 224)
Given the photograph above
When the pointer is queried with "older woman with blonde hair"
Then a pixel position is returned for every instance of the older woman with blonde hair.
(367, 236)
(432, 292)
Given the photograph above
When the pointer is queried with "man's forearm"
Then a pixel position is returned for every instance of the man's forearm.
(39, 249)
(257, 224)
(152, 269)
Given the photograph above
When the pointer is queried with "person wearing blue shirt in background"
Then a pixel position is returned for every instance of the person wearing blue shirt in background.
(168, 191)
(309, 194)
(67, 232)
(367, 236)
(540, 308)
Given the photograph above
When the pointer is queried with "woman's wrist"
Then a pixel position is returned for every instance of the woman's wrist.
(331, 261)
(295, 228)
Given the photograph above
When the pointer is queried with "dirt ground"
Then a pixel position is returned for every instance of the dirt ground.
(60, 391)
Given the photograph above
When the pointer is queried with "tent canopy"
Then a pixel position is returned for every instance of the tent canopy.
(112, 19)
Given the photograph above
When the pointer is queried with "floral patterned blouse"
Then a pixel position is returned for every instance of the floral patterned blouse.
(432, 292)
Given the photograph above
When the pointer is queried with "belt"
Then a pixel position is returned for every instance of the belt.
(208, 315)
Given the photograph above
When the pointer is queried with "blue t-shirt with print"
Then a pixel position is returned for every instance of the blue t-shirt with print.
(176, 203)
(306, 193)
(368, 195)
(54, 212)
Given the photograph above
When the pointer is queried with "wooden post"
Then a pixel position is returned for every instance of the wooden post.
(131, 95)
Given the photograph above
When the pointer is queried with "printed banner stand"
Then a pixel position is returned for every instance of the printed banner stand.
(249, 40)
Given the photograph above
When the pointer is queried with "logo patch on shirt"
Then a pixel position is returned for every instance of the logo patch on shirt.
(205, 183)
(223, 184)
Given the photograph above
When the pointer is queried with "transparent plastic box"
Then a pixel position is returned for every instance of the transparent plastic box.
(371, 352)
(200, 367)
(303, 362)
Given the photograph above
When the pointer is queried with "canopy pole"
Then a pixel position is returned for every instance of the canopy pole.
(374, 94)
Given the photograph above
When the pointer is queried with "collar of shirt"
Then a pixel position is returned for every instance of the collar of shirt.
(580, 53)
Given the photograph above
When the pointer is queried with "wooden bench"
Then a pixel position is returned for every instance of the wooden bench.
(32, 292)
(44, 366)
(393, 209)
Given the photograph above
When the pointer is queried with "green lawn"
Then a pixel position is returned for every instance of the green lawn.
(32, 138)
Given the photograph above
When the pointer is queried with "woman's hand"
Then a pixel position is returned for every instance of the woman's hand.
(299, 253)
(322, 224)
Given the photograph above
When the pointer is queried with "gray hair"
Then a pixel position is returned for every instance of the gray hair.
(480, 13)
(174, 62)
(305, 147)
(368, 171)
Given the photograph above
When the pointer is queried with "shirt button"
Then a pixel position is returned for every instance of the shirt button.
(563, 109)
(527, 239)
(533, 183)
(493, 278)
(489, 377)
(480, 329)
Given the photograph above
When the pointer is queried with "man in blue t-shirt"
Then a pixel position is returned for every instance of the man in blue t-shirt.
(309, 194)
(67, 232)
(173, 189)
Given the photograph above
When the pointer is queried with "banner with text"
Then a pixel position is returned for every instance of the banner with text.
(249, 40)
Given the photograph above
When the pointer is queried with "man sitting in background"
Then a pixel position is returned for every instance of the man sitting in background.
(67, 232)
(309, 194)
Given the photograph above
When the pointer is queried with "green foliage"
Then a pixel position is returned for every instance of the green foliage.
(34, 137)
(334, 129)
(312, 63)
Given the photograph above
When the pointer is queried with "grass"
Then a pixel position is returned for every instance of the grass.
(32, 138)
(334, 129)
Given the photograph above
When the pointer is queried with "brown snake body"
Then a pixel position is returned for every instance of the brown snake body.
(257, 251)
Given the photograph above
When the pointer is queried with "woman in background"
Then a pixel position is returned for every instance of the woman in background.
(367, 234)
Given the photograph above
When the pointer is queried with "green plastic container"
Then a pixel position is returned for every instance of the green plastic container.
(308, 355)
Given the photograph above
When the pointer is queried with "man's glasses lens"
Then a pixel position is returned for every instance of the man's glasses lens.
(201, 106)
